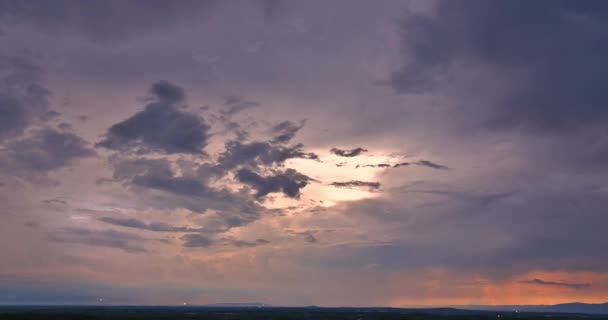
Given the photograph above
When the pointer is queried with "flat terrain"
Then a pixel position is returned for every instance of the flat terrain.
(267, 313)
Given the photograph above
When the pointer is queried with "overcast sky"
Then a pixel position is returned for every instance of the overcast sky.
(335, 153)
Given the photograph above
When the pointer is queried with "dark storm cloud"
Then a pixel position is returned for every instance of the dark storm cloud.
(149, 226)
(188, 190)
(160, 127)
(285, 131)
(558, 284)
(168, 92)
(104, 21)
(259, 153)
(356, 184)
(531, 230)
(44, 150)
(547, 59)
(23, 97)
(99, 238)
(347, 153)
(167, 183)
(288, 182)
(426, 163)
(158, 174)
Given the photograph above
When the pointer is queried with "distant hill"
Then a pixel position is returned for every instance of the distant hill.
(575, 307)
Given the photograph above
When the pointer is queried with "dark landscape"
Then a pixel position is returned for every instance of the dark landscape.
(270, 313)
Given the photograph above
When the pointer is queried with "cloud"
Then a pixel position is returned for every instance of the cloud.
(197, 240)
(537, 64)
(158, 174)
(158, 185)
(348, 153)
(288, 182)
(307, 235)
(50, 115)
(558, 284)
(105, 21)
(204, 241)
(259, 154)
(168, 92)
(542, 62)
(43, 151)
(64, 126)
(236, 104)
(401, 164)
(247, 244)
(356, 184)
(166, 183)
(483, 199)
(426, 163)
(310, 238)
(286, 130)
(160, 127)
(379, 165)
(521, 231)
(149, 226)
(99, 238)
(23, 97)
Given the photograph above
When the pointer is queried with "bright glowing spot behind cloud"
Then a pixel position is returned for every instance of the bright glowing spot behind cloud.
(327, 171)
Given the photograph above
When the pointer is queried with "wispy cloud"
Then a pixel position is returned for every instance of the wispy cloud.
(572, 285)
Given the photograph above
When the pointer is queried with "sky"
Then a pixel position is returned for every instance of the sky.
(331, 153)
